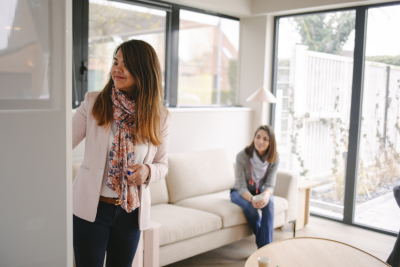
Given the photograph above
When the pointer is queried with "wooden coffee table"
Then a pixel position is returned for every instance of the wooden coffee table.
(313, 252)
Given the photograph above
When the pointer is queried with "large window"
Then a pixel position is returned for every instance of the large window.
(112, 23)
(198, 52)
(328, 66)
(208, 53)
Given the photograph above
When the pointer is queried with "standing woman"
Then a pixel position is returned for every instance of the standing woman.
(126, 129)
(256, 168)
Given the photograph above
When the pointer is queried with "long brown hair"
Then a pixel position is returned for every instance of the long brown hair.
(142, 63)
(271, 153)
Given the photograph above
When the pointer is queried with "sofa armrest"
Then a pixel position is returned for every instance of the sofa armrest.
(286, 186)
(151, 235)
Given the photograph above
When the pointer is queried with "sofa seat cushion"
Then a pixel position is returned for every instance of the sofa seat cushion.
(179, 223)
(220, 204)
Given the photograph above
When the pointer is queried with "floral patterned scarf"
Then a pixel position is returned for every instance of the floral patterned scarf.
(122, 152)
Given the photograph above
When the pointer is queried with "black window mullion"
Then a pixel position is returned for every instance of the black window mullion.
(174, 57)
(80, 50)
(355, 116)
(148, 3)
(84, 67)
(76, 52)
(274, 70)
(167, 67)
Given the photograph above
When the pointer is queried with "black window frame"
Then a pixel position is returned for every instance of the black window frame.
(80, 47)
(355, 109)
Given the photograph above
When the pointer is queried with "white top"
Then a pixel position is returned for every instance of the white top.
(140, 154)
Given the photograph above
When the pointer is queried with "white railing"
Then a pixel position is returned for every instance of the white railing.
(321, 86)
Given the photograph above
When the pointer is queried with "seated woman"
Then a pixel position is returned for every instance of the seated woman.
(256, 168)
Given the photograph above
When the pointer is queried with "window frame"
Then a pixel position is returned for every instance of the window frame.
(350, 192)
(80, 46)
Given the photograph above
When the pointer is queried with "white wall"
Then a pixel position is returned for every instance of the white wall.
(35, 190)
(202, 129)
(194, 129)
(255, 64)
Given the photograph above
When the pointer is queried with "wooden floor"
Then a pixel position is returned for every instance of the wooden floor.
(236, 254)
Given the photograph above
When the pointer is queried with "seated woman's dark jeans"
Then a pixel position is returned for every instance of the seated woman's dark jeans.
(114, 230)
(263, 227)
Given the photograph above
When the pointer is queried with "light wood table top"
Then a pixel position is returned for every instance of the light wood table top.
(310, 252)
(305, 184)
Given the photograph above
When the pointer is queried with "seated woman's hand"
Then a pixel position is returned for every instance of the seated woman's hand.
(263, 202)
(140, 172)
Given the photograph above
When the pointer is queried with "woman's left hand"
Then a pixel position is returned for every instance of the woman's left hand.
(263, 202)
(140, 172)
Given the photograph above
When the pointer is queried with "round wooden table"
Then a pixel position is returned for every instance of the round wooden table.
(310, 252)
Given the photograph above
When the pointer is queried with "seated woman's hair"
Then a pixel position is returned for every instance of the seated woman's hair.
(271, 153)
(142, 62)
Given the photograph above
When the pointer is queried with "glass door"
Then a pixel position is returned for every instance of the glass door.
(379, 154)
(313, 89)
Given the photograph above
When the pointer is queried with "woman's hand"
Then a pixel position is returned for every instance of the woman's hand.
(263, 202)
(140, 172)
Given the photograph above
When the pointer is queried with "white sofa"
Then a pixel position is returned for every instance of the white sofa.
(192, 204)
(194, 209)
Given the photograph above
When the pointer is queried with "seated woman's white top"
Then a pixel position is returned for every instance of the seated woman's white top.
(140, 154)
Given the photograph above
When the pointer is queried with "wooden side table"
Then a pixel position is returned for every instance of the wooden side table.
(303, 206)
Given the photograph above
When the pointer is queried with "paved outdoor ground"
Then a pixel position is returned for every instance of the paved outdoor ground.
(385, 216)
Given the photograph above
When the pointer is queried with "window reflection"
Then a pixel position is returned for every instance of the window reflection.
(24, 50)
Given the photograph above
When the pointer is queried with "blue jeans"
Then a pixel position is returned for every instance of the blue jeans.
(263, 227)
(114, 230)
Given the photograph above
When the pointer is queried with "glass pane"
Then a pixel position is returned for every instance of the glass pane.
(112, 23)
(379, 158)
(314, 80)
(25, 50)
(208, 53)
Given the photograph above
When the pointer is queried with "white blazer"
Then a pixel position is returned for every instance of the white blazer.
(88, 181)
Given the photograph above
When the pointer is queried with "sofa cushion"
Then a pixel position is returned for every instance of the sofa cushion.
(220, 204)
(199, 173)
(179, 223)
(159, 192)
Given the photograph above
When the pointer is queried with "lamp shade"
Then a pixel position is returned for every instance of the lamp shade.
(262, 95)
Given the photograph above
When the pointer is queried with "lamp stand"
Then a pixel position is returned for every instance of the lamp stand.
(261, 113)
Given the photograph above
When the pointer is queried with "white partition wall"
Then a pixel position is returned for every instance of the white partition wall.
(35, 133)
(194, 129)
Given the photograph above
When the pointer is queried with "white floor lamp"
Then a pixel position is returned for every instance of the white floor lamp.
(262, 95)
